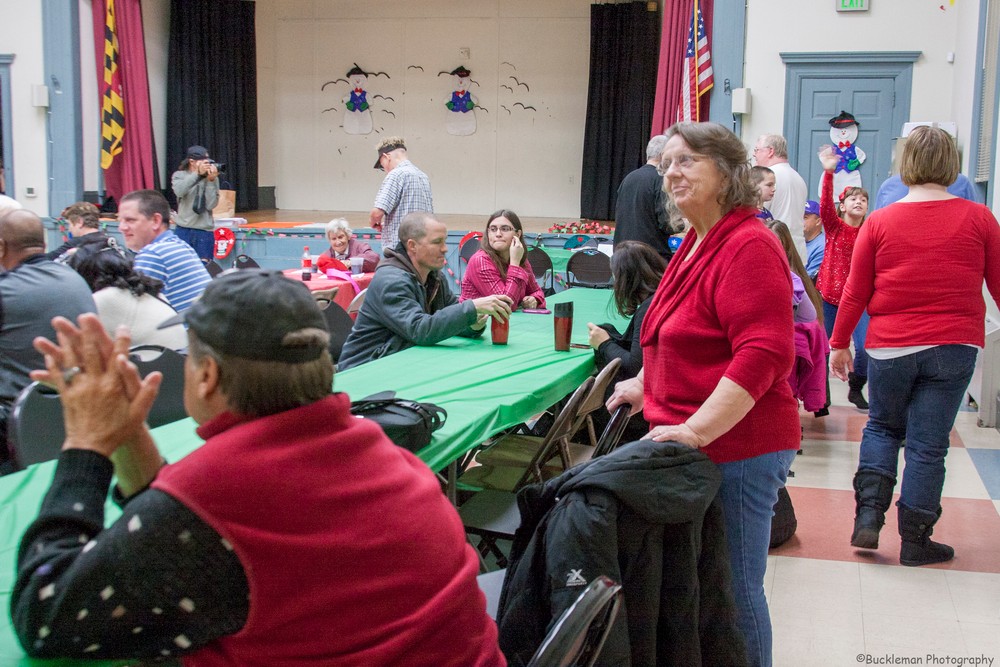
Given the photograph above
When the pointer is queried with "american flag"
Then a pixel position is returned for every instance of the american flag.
(698, 77)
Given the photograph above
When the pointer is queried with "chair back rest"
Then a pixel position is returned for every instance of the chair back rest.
(578, 635)
(356, 304)
(339, 324)
(595, 399)
(540, 262)
(589, 268)
(35, 428)
(246, 262)
(169, 404)
(468, 249)
(324, 297)
(612, 435)
(213, 268)
(559, 432)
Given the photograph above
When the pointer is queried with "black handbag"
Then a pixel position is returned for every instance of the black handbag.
(409, 424)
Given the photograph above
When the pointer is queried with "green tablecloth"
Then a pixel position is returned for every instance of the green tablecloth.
(484, 387)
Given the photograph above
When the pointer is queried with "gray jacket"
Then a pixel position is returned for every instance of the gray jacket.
(189, 188)
(399, 312)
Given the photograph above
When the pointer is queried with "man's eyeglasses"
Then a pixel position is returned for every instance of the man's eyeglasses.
(505, 229)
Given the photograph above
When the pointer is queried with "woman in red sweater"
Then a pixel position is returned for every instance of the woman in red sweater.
(924, 334)
(501, 265)
(841, 234)
(717, 350)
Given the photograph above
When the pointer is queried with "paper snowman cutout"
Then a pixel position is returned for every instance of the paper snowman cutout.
(357, 116)
(844, 135)
(461, 115)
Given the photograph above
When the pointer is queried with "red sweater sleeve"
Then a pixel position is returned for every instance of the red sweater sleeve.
(859, 288)
(992, 272)
(827, 209)
(752, 306)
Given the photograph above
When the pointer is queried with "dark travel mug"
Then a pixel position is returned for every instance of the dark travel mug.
(499, 330)
(564, 325)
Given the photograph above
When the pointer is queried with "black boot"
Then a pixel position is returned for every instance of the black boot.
(856, 383)
(915, 527)
(872, 497)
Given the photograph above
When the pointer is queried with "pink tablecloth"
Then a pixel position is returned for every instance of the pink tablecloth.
(321, 282)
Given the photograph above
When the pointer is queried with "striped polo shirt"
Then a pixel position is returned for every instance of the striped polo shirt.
(176, 263)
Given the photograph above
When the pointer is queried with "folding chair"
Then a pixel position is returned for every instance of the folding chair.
(356, 303)
(578, 636)
(245, 262)
(212, 267)
(35, 429)
(324, 297)
(169, 404)
(339, 324)
(541, 264)
(467, 247)
(589, 268)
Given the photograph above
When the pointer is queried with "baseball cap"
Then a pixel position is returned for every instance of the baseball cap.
(812, 207)
(250, 313)
(386, 149)
(197, 153)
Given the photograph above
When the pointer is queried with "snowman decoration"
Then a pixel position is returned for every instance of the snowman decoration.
(461, 118)
(357, 117)
(844, 135)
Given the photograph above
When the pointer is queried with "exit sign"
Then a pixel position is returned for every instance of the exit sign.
(853, 5)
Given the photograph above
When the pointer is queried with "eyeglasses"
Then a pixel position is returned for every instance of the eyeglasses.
(682, 162)
(505, 229)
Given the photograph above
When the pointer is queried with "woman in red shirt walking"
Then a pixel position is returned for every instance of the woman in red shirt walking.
(717, 350)
(841, 234)
(922, 342)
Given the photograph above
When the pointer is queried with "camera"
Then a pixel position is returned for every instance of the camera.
(219, 166)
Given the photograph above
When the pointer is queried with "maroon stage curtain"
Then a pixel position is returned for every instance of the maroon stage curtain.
(133, 168)
(673, 39)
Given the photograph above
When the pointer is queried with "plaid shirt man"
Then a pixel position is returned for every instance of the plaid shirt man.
(404, 190)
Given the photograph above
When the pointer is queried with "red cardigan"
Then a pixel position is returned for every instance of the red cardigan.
(919, 269)
(725, 313)
(483, 279)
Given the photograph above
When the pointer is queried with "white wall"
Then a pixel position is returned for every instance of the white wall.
(21, 35)
(527, 161)
(941, 91)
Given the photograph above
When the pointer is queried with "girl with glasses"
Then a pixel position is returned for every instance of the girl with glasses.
(501, 265)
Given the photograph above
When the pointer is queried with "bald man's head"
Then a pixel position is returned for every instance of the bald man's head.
(21, 235)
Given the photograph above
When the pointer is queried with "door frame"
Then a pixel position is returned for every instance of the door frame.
(897, 65)
(6, 123)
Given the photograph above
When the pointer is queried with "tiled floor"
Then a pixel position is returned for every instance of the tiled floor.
(834, 605)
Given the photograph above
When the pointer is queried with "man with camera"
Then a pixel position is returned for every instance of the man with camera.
(197, 188)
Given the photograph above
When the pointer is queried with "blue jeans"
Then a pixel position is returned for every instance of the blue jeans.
(749, 491)
(915, 397)
(860, 332)
(201, 240)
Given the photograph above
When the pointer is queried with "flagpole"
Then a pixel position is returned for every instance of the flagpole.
(696, 112)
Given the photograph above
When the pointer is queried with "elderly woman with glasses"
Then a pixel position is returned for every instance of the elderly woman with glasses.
(717, 345)
(343, 246)
(501, 265)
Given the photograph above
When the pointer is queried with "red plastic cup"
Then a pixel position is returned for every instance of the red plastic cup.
(498, 330)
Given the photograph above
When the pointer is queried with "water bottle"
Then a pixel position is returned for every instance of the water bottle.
(307, 264)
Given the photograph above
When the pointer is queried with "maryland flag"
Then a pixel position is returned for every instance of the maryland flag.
(112, 109)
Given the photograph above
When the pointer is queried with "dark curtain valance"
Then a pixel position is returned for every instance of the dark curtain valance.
(624, 51)
(212, 89)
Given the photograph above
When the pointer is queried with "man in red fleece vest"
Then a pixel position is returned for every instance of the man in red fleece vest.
(296, 535)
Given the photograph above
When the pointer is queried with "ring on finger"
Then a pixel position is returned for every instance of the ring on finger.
(71, 373)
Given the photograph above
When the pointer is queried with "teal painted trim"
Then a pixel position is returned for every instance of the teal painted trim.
(728, 50)
(7, 127)
(897, 65)
(61, 49)
(977, 103)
